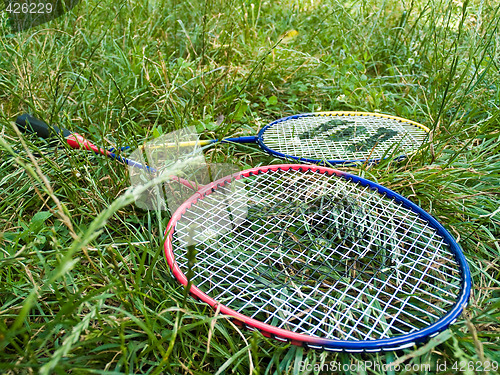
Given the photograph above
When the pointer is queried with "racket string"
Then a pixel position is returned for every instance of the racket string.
(278, 224)
(389, 303)
(361, 292)
(370, 275)
(349, 138)
(299, 302)
(408, 246)
(325, 294)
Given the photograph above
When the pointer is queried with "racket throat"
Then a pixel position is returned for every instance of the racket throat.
(246, 139)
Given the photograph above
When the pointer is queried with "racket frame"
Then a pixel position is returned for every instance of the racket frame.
(390, 344)
(260, 136)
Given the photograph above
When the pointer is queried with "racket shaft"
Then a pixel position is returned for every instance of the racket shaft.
(206, 142)
(77, 141)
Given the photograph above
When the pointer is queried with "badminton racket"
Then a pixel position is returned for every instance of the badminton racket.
(334, 137)
(319, 258)
(323, 137)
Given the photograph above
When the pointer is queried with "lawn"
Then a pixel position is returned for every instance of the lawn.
(84, 284)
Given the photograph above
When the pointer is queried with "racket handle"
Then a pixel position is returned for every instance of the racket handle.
(30, 124)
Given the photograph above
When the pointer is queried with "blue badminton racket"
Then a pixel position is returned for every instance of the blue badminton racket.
(319, 138)
(334, 137)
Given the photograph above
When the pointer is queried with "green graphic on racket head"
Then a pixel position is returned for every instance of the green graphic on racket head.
(342, 137)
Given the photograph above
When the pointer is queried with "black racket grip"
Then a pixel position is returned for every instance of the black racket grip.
(28, 123)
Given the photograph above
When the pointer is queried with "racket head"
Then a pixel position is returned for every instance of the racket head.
(428, 293)
(329, 138)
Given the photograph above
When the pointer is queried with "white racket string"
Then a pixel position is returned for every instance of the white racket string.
(343, 137)
(318, 254)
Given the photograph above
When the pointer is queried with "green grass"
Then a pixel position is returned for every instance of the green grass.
(84, 286)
